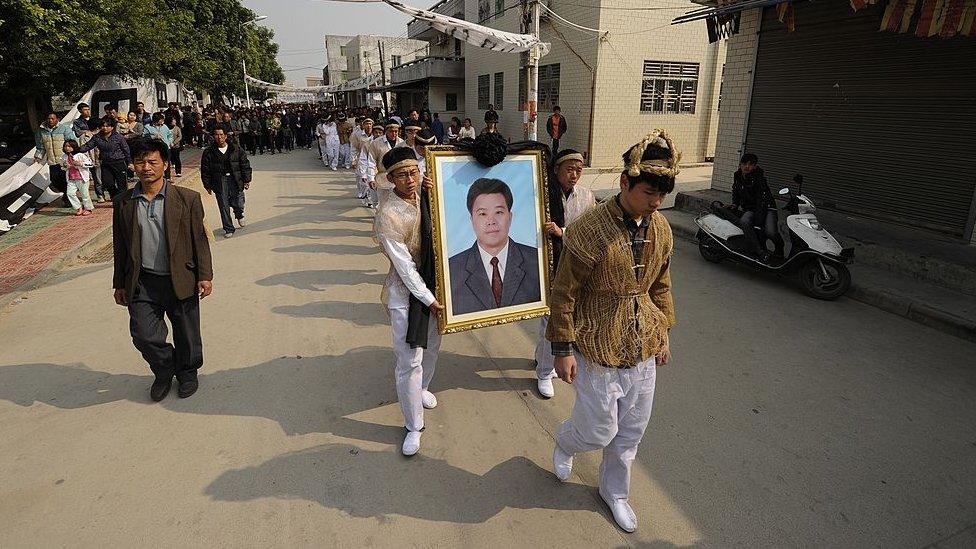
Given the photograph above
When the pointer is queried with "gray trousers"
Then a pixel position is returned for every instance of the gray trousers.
(545, 362)
(153, 299)
(611, 412)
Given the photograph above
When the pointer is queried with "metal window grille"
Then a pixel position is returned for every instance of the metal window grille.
(669, 87)
(484, 10)
(499, 90)
(484, 90)
(548, 86)
(451, 102)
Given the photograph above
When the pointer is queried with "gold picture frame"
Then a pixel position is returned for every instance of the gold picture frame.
(447, 208)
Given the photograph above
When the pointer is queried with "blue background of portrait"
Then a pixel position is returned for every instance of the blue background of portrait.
(455, 179)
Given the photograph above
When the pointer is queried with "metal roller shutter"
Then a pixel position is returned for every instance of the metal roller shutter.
(879, 124)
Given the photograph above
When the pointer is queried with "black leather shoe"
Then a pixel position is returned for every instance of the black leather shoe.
(160, 388)
(188, 385)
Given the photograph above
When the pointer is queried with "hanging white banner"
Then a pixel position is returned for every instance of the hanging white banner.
(474, 34)
(364, 82)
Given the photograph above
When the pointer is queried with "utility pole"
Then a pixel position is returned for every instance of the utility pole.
(386, 107)
(247, 90)
(533, 79)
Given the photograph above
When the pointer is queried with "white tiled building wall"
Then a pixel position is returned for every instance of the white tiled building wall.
(736, 93)
(634, 36)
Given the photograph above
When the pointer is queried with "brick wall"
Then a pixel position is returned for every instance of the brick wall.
(736, 95)
(636, 36)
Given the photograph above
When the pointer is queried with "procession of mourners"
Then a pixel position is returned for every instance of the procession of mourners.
(534, 244)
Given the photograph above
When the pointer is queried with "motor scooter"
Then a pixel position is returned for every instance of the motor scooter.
(809, 251)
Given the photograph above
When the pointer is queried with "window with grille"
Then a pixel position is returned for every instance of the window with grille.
(499, 8)
(669, 87)
(548, 87)
(499, 90)
(395, 60)
(484, 90)
(450, 102)
(484, 10)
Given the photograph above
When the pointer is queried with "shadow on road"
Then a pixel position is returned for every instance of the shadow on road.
(366, 483)
(337, 249)
(318, 280)
(360, 314)
(303, 395)
(325, 233)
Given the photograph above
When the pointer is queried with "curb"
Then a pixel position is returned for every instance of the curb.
(904, 307)
(96, 241)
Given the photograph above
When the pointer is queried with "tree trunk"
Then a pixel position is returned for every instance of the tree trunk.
(33, 116)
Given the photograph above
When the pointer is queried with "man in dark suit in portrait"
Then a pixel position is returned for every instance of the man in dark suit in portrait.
(496, 271)
(162, 267)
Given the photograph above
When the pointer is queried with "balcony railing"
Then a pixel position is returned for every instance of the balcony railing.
(428, 67)
(421, 30)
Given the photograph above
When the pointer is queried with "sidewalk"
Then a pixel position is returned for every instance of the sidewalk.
(54, 236)
(604, 182)
(923, 277)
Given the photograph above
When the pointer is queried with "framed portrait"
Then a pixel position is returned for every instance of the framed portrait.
(492, 256)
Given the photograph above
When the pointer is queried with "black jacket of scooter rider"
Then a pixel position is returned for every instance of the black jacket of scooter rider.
(750, 191)
(752, 198)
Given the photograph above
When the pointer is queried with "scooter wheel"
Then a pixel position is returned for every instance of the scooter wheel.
(819, 285)
(709, 248)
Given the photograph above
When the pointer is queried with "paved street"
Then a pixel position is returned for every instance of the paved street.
(782, 421)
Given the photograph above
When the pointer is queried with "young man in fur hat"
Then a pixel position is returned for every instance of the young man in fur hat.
(611, 312)
(567, 202)
(398, 228)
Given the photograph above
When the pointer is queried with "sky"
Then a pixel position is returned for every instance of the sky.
(301, 26)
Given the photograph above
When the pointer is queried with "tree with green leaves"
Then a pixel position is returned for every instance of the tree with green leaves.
(60, 47)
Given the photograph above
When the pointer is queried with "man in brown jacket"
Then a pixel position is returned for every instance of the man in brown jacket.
(162, 266)
(611, 310)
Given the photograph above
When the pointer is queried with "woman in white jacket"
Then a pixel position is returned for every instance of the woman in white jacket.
(77, 166)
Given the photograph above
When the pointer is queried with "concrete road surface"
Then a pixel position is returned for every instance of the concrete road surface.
(782, 422)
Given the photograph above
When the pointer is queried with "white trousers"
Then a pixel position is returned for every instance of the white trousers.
(330, 152)
(544, 360)
(345, 155)
(414, 367)
(361, 187)
(613, 406)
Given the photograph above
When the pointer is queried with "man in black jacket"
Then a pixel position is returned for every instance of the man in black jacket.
(225, 170)
(754, 202)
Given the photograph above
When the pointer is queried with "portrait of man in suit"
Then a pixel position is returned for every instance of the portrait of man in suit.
(495, 271)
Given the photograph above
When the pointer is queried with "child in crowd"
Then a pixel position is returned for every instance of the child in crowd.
(77, 166)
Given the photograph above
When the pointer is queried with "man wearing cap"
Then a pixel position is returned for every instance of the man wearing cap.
(366, 165)
(421, 140)
(360, 136)
(329, 143)
(377, 149)
(402, 227)
(567, 202)
(612, 309)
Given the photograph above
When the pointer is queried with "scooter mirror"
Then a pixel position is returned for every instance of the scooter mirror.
(784, 191)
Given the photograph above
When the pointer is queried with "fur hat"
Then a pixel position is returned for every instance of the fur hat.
(654, 155)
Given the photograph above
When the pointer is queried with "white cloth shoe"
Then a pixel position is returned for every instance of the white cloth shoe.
(240, 221)
(545, 388)
(562, 464)
(411, 443)
(623, 514)
(429, 400)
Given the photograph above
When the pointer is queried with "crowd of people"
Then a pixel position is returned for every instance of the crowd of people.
(610, 299)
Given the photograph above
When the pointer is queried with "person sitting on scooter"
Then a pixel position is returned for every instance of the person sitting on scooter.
(754, 202)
